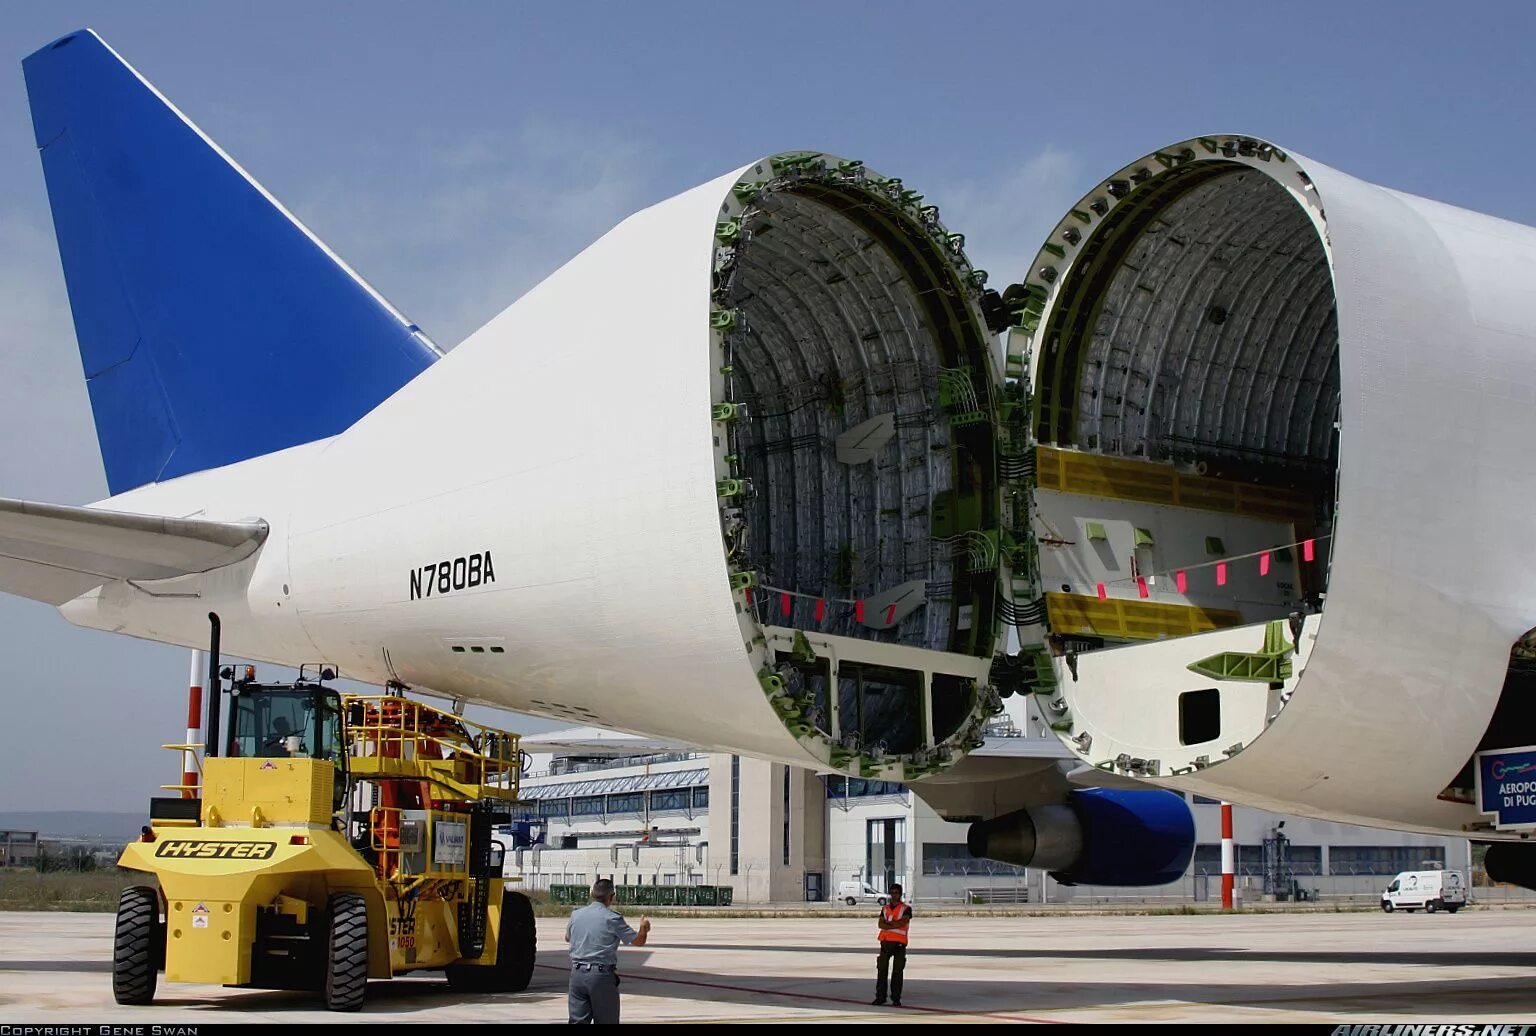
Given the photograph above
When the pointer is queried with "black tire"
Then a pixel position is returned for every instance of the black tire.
(346, 964)
(881, 901)
(517, 947)
(1431, 907)
(1452, 908)
(1386, 905)
(135, 958)
(851, 901)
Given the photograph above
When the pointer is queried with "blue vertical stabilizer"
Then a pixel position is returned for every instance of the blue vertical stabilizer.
(213, 326)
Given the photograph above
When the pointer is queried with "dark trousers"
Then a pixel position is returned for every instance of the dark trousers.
(890, 951)
(594, 997)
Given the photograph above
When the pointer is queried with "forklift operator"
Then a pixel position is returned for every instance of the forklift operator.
(283, 742)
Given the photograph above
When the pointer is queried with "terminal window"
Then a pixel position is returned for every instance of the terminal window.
(1383, 859)
(840, 787)
(629, 803)
(661, 800)
(886, 856)
(735, 814)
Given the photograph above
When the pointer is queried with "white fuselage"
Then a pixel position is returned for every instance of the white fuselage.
(570, 440)
(568, 447)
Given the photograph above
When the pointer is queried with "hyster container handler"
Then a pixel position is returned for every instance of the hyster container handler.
(336, 839)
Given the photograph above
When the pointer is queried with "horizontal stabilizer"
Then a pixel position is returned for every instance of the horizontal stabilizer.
(213, 326)
(53, 553)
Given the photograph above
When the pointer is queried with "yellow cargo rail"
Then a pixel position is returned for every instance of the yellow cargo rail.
(1121, 478)
(1132, 620)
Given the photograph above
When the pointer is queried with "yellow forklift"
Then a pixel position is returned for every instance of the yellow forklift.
(336, 839)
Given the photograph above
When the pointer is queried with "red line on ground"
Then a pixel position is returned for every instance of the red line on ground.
(820, 996)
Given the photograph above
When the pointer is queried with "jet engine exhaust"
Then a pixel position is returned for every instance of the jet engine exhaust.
(1100, 837)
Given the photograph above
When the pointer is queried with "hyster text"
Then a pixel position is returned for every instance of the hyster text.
(180, 848)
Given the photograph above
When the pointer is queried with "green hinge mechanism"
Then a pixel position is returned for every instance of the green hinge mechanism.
(1272, 664)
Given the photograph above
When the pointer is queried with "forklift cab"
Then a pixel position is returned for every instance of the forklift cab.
(287, 721)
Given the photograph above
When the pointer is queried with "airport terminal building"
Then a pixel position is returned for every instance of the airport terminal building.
(597, 804)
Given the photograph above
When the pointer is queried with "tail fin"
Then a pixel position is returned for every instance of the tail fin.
(213, 326)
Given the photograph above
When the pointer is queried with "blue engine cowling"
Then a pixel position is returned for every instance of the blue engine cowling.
(1099, 836)
(1131, 838)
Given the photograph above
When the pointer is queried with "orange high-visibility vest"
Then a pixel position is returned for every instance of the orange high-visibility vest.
(892, 915)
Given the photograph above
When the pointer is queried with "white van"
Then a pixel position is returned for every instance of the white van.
(1432, 890)
(852, 892)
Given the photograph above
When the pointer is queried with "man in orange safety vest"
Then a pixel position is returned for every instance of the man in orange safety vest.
(895, 918)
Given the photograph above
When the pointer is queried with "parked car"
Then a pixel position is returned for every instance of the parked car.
(1429, 890)
(854, 892)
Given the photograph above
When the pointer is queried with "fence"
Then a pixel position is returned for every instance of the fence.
(982, 882)
(1358, 888)
(961, 885)
(649, 895)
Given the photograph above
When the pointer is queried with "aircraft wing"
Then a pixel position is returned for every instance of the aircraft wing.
(597, 741)
(54, 553)
(1094, 777)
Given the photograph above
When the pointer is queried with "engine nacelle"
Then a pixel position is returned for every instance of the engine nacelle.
(1512, 863)
(1101, 836)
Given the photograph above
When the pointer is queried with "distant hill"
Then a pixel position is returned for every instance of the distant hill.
(108, 827)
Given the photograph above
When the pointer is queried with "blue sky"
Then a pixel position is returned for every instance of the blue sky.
(455, 153)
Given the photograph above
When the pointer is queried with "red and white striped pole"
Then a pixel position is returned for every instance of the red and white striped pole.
(199, 672)
(1228, 857)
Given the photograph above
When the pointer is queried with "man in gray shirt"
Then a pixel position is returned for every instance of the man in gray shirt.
(594, 933)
